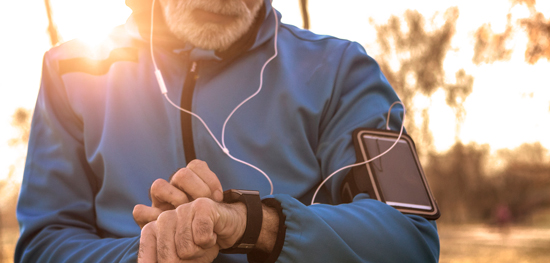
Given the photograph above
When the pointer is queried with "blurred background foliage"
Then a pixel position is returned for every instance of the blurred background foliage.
(468, 187)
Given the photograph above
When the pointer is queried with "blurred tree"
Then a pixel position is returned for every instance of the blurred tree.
(419, 55)
(525, 182)
(459, 182)
(456, 95)
(526, 153)
(21, 120)
(305, 13)
(8, 220)
(52, 29)
(466, 192)
(491, 47)
(412, 60)
(538, 31)
(529, 3)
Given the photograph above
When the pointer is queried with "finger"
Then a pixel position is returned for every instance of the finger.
(187, 181)
(203, 171)
(148, 244)
(144, 214)
(166, 196)
(203, 223)
(185, 247)
(166, 247)
(206, 255)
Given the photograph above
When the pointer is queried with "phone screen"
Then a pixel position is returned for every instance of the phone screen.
(398, 174)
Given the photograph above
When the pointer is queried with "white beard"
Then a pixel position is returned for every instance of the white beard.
(215, 36)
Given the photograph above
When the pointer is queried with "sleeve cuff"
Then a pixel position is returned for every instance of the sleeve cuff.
(258, 256)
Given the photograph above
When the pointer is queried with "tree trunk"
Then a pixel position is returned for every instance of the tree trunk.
(52, 29)
(305, 13)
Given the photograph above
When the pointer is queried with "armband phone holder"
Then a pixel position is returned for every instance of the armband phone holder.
(396, 178)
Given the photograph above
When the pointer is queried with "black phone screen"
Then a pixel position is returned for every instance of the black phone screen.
(399, 177)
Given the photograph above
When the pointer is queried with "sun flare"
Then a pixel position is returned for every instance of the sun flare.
(88, 21)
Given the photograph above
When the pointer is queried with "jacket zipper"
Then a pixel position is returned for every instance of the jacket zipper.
(186, 118)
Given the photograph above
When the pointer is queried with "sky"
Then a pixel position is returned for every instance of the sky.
(509, 105)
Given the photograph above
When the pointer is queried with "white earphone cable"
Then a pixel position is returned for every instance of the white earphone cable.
(222, 146)
(370, 160)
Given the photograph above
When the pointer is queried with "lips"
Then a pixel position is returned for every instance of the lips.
(203, 16)
(227, 9)
(218, 12)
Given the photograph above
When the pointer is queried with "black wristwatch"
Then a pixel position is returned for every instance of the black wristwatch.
(254, 218)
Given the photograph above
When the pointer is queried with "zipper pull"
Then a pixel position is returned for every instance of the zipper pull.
(193, 67)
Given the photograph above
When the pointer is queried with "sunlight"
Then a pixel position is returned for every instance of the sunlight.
(89, 21)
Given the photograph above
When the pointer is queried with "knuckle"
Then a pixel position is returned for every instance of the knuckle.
(165, 216)
(181, 209)
(157, 185)
(201, 202)
(181, 175)
(196, 163)
(148, 228)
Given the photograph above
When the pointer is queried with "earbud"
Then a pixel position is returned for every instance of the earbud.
(160, 80)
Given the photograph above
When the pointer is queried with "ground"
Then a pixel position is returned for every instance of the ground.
(482, 243)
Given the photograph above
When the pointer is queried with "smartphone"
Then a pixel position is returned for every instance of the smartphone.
(396, 178)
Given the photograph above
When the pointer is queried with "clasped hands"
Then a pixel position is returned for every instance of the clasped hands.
(187, 221)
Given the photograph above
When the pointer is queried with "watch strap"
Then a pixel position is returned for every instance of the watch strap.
(254, 217)
(259, 256)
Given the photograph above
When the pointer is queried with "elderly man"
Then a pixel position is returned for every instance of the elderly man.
(274, 109)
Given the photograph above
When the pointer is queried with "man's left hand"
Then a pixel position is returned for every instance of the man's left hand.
(193, 232)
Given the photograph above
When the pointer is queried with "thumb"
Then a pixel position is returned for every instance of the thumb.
(144, 214)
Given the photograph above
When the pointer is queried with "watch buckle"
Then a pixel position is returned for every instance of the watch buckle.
(246, 246)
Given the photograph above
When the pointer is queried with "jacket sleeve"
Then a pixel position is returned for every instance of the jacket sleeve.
(56, 203)
(365, 230)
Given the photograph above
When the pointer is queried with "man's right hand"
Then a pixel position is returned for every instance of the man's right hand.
(189, 183)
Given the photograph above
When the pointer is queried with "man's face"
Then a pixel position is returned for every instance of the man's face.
(210, 24)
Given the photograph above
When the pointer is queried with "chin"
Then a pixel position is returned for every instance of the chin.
(213, 36)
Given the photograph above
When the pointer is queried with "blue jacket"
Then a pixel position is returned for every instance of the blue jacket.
(102, 133)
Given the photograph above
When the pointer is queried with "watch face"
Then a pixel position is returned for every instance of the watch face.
(246, 192)
(234, 195)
